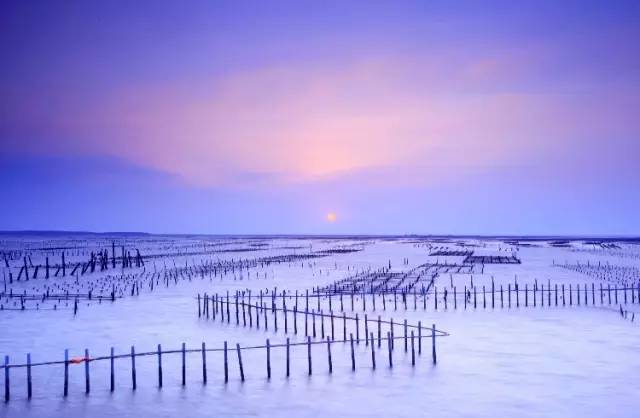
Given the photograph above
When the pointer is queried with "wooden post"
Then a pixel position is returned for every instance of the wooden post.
(268, 346)
(238, 311)
(226, 364)
(493, 294)
(373, 353)
(266, 324)
(419, 337)
(66, 371)
(309, 354)
(413, 351)
(87, 382)
(333, 330)
(344, 326)
(204, 364)
(184, 364)
(433, 342)
(286, 328)
(159, 366)
(405, 336)
(244, 314)
(295, 319)
(275, 320)
(240, 362)
(112, 380)
(353, 357)
(313, 322)
(329, 355)
(133, 368)
(29, 383)
(366, 330)
(389, 346)
(288, 357)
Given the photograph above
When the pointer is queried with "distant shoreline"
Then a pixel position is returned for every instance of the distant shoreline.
(54, 233)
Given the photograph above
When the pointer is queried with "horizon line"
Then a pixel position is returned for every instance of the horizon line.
(526, 237)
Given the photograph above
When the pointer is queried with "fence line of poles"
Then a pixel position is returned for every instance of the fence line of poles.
(557, 294)
(411, 341)
(222, 307)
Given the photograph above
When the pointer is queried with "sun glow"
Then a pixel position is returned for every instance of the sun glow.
(331, 217)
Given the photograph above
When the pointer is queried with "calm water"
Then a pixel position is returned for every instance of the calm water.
(556, 362)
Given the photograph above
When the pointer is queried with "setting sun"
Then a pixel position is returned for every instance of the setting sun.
(331, 217)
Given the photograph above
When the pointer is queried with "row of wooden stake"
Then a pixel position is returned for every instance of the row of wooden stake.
(87, 360)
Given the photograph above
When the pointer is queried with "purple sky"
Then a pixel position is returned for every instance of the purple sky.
(263, 117)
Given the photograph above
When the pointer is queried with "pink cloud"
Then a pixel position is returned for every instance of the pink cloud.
(420, 120)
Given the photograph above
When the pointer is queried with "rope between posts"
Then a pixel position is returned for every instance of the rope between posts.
(79, 360)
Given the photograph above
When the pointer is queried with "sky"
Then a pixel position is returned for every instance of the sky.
(425, 117)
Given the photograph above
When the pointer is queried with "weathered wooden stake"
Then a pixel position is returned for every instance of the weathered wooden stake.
(184, 364)
(353, 357)
(66, 372)
(133, 368)
(373, 353)
(29, 383)
(159, 366)
(389, 346)
(112, 364)
(87, 381)
(240, 362)
(329, 355)
(309, 354)
(413, 351)
(433, 342)
(288, 354)
(405, 336)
